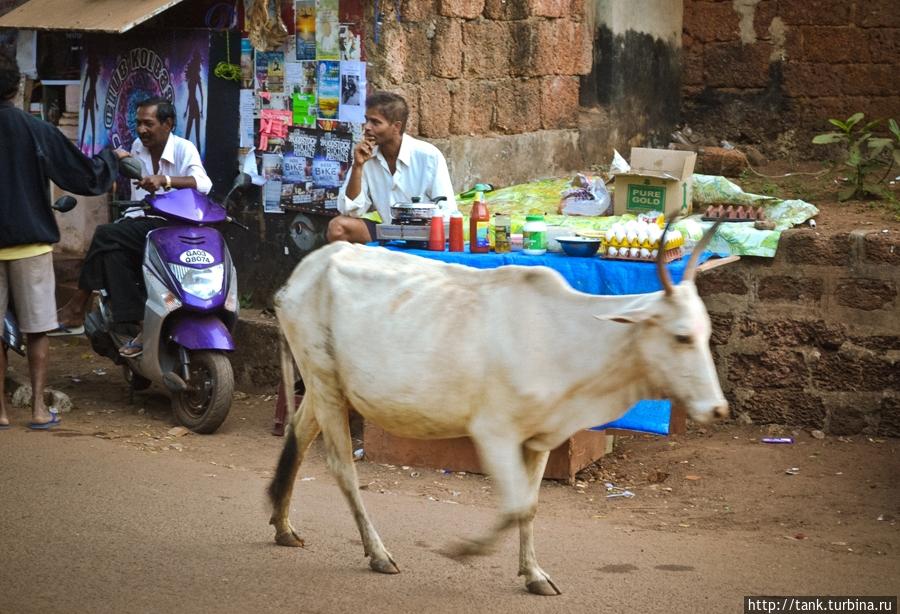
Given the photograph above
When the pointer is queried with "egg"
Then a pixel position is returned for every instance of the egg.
(654, 253)
(630, 226)
(612, 252)
(631, 238)
(634, 252)
(642, 236)
(620, 235)
(645, 253)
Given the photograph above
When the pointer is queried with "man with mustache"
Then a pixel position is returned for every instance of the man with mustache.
(114, 259)
(389, 167)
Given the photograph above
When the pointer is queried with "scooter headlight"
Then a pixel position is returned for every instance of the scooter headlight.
(202, 283)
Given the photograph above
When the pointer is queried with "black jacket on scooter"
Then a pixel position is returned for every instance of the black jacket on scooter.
(31, 152)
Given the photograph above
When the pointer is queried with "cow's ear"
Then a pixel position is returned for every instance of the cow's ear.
(628, 317)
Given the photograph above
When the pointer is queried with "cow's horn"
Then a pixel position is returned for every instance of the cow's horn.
(691, 267)
(661, 269)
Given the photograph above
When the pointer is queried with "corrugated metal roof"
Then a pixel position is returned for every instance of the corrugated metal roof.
(115, 16)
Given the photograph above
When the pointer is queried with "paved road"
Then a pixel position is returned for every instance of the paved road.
(88, 525)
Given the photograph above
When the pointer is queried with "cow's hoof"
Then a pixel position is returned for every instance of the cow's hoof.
(289, 538)
(543, 587)
(384, 565)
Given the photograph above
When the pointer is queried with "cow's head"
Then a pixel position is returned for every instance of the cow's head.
(672, 337)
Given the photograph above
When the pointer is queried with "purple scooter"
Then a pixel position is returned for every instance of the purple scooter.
(192, 307)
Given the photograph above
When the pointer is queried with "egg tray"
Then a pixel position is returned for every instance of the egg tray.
(670, 256)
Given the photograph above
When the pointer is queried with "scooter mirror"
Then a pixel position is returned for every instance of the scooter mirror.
(131, 167)
(64, 203)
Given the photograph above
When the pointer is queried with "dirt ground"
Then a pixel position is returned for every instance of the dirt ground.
(817, 183)
(837, 494)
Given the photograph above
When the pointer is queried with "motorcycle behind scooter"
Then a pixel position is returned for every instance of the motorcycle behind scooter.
(192, 307)
(12, 336)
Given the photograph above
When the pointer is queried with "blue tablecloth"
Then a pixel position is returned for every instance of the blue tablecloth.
(594, 276)
(591, 275)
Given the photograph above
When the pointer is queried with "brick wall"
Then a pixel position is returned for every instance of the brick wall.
(479, 67)
(812, 337)
(773, 71)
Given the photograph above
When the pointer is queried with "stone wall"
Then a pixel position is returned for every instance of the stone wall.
(490, 82)
(771, 72)
(812, 337)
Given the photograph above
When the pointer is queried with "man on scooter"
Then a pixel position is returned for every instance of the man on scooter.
(114, 258)
(31, 152)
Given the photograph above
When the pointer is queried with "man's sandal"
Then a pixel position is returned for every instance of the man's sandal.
(132, 349)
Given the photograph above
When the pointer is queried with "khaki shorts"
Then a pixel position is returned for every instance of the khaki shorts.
(31, 285)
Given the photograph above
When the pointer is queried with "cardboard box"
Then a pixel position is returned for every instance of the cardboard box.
(659, 180)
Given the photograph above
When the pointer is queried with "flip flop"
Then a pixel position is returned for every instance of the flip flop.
(132, 349)
(63, 330)
(5, 427)
(43, 426)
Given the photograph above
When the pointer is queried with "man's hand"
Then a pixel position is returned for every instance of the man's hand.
(363, 152)
(121, 154)
(152, 183)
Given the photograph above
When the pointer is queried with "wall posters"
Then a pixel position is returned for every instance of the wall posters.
(120, 71)
(315, 166)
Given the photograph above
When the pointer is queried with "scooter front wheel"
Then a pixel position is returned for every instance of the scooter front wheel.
(204, 406)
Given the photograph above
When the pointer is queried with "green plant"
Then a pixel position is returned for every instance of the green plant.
(866, 154)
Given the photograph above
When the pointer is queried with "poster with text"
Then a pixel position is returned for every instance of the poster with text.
(329, 91)
(120, 71)
(246, 64)
(353, 92)
(327, 30)
(269, 71)
(305, 29)
(350, 42)
(272, 170)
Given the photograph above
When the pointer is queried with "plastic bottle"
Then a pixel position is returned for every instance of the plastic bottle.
(456, 232)
(501, 233)
(479, 222)
(436, 236)
(534, 235)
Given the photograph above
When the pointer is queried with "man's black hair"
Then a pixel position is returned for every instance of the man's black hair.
(9, 76)
(165, 110)
(392, 106)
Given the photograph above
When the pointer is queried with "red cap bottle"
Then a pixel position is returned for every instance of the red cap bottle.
(436, 236)
(456, 232)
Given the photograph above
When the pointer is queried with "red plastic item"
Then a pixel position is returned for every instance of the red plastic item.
(436, 236)
(456, 233)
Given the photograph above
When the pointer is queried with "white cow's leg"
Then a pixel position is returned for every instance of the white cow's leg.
(339, 448)
(536, 579)
(501, 457)
(302, 432)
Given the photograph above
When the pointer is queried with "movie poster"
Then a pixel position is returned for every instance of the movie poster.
(120, 71)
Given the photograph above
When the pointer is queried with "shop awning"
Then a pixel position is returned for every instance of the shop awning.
(115, 16)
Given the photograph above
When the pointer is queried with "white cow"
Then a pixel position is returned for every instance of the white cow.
(512, 357)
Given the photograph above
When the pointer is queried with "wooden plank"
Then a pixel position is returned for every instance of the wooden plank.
(115, 16)
(716, 262)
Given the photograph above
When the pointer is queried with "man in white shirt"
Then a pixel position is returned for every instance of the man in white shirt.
(114, 258)
(389, 167)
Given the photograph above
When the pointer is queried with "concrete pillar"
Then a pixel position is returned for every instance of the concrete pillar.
(636, 72)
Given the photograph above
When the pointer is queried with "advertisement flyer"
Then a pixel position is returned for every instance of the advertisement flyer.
(305, 29)
(353, 92)
(327, 30)
(329, 89)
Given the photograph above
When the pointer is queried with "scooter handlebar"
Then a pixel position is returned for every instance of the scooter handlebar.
(231, 220)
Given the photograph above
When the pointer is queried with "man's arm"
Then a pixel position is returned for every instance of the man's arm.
(352, 200)
(191, 174)
(441, 185)
(69, 168)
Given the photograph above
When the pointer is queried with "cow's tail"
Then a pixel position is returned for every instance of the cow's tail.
(280, 484)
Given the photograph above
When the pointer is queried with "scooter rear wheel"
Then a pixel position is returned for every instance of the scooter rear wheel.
(204, 406)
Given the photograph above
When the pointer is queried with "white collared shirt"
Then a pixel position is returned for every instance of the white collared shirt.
(179, 159)
(421, 171)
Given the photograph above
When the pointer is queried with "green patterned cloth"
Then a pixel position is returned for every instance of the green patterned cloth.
(737, 238)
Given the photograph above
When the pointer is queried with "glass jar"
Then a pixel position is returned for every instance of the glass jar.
(534, 235)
